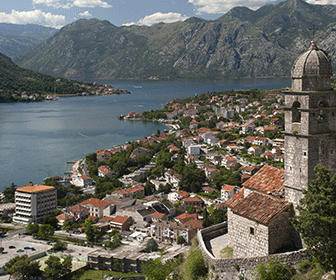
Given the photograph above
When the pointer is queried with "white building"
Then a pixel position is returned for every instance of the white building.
(194, 150)
(227, 192)
(32, 203)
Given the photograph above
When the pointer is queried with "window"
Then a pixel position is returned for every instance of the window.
(251, 230)
(296, 114)
(322, 116)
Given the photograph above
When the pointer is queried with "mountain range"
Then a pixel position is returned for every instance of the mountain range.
(14, 81)
(16, 39)
(241, 43)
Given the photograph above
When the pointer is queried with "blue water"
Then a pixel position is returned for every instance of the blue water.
(37, 139)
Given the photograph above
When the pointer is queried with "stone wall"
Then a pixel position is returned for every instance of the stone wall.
(231, 269)
(248, 237)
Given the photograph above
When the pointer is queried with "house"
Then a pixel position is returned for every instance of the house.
(121, 223)
(105, 171)
(62, 218)
(172, 177)
(139, 151)
(212, 140)
(259, 225)
(98, 208)
(208, 190)
(158, 217)
(192, 201)
(193, 124)
(173, 149)
(132, 192)
(79, 212)
(255, 150)
(103, 155)
(177, 196)
(194, 150)
(210, 172)
(169, 232)
(227, 191)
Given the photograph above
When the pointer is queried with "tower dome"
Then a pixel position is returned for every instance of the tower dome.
(312, 71)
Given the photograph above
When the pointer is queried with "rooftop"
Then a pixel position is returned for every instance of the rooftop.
(267, 179)
(260, 207)
(95, 202)
(35, 188)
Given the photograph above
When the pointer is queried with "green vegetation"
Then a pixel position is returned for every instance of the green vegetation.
(56, 268)
(22, 268)
(151, 246)
(274, 270)
(99, 274)
(226, 253)
(316, 220)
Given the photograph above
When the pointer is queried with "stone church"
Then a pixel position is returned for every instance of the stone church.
(258, 215)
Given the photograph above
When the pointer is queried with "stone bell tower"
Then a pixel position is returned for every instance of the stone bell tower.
(310, 121)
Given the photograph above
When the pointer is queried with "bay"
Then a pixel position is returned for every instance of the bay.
(37, 139)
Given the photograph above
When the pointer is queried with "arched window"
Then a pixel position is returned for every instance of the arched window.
(296, 114)
(322, 113)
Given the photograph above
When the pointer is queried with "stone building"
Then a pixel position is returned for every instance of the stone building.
(310, 121)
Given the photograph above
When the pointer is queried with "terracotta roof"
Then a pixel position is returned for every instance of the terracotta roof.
(64, 217)
(120, 220)
(235, 199)
(35, 188)
(197, 224)
(105, 219)
(228, 188)
(183, 193)
(208, 189)
(267, 179)
(77, 208)
(185, 216)
(260, 207)
(158, 215)
(192, 199)
(95, 202)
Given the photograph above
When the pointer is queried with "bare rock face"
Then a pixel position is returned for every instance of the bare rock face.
(241, 43)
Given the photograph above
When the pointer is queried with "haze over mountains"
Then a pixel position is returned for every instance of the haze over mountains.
(16, 39)
(241, 43)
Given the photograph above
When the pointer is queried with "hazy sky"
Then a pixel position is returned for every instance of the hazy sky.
(57, 13)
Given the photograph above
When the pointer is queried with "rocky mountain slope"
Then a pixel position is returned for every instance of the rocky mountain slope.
(16, 39)
(241, 43)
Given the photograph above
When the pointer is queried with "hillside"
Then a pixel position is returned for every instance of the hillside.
(241, 43)
(16, 39)
(14, 81)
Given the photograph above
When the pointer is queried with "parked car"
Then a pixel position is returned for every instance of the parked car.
(11, 247)
(19, 251)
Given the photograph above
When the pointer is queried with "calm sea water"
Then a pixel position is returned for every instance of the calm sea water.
(37, 139)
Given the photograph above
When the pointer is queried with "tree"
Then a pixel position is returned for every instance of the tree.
(316, 220)
(192, 178)
(156, 270)
(151, 246)
(181, 240)
(195, 267)
(274, 270)
(55, 269)
(59, 246)
(9, 193)
(22, 268)
(45, 231)
(32, 229)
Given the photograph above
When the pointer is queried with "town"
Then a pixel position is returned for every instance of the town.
(213, 186)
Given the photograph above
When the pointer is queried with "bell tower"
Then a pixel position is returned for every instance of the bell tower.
(310, 121)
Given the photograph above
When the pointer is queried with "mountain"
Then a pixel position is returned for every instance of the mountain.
(16, 39)
(15, 80)
(241, 43)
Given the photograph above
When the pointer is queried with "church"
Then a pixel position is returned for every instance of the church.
(259, 214)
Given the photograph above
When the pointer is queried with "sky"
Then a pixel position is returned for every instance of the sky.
(57, 13)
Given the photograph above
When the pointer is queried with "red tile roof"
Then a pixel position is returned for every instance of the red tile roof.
(228, 188)
(197, 224)
(260, 207)
(158, 215)
(192, 199)
(120, 220)
(267, 179)
(185, 216)
(235, 199)
(105, 219)
(64, 217)
(95, 202)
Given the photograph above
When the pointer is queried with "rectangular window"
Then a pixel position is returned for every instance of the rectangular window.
(251, 230)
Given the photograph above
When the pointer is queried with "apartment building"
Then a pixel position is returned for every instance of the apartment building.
(32, 203)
